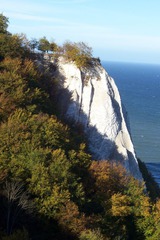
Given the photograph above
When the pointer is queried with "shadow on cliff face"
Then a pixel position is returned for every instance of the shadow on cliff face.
(92, 71)
(99, 146)
(102, 148)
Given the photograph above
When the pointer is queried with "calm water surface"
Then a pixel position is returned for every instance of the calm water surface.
(139, 86)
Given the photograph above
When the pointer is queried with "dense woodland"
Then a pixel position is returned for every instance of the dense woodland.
(50, 188)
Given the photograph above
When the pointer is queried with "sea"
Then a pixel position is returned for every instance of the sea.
(139, 87)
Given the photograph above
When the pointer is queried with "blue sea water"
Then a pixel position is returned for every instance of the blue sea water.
(139, 87)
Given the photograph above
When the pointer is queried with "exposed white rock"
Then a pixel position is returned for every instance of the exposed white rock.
(94, 102)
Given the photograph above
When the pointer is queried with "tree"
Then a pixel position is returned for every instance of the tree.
(70, 218)
(121, 205)
(53, 47)
(33, 43)
(44, 45)
(149, 225)
(3, 24)
(110, 178)
(20, 86)
(14, 46)
(80, 53)
(16, 200)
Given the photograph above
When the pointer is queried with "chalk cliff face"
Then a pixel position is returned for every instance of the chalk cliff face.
(94, 102)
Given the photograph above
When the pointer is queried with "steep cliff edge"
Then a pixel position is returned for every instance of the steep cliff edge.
(94, 102)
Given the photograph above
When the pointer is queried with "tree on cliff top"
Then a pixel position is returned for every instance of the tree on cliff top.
(80, 53)
(44, 45)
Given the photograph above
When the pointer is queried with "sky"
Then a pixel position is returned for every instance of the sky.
(117, 30)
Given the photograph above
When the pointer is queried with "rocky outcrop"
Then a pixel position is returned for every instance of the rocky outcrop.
(91, 98)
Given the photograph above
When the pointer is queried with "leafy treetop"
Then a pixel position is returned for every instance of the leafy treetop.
(3, 23)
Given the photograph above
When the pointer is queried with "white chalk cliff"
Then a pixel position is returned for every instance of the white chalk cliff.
(94, 102)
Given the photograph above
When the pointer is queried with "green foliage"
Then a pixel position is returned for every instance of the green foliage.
(34, 151)
(20, 87)
(80, 53)
(3, 23)
(14, 46)
(30, 137)
(44, 45)
(150, 224)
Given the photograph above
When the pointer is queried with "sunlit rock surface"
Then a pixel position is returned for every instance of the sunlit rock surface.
(90, 98)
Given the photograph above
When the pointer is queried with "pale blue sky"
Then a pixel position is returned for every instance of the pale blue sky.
(117, 30)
